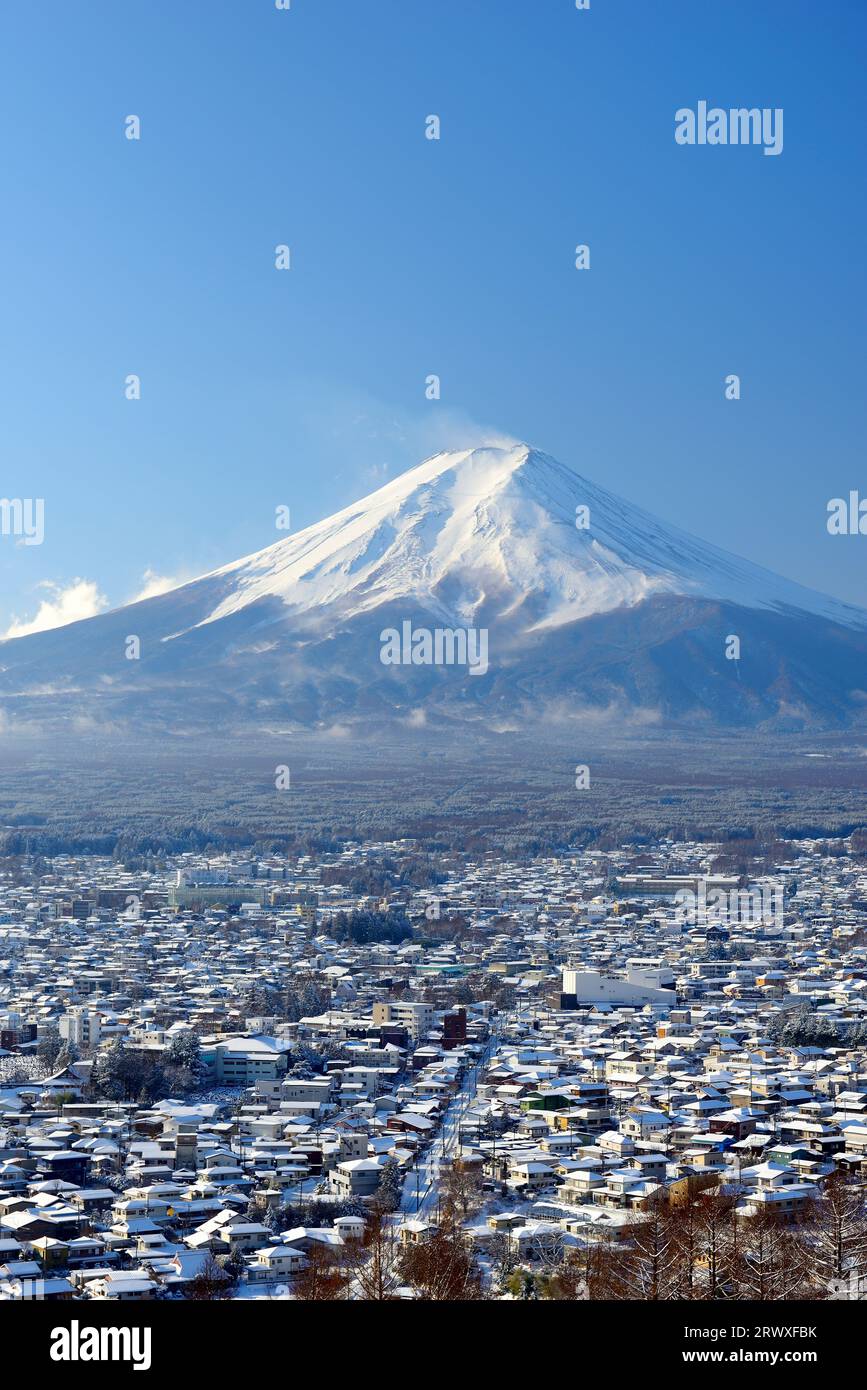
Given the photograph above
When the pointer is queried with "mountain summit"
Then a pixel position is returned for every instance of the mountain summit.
(466, 525)
(590, 606)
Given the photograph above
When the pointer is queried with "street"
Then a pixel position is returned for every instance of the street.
(421, 1186)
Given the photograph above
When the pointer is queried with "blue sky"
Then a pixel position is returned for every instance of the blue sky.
(413, 257)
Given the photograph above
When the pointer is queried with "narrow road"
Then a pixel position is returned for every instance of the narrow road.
(421, 1186)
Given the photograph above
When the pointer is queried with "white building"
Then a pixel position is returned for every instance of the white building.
(639, 986)
(82, 1027)
(413, 1014)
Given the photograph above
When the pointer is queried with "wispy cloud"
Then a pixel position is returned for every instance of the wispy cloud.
(67, 603)
(153, 584)
(364, 441)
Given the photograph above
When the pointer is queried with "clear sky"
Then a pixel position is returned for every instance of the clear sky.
(410, 256)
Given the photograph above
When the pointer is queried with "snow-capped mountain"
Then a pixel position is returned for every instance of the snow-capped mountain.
(464, 527)
(590, 606)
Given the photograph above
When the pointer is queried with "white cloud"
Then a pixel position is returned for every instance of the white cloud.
(153, 584)
(80, 598)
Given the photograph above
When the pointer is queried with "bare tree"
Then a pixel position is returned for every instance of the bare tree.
(462, 1188)
(441, 1268)
(324, 1277)
(649, 1264)
(686, 1233)
(718, 1242)
(598, 1269)
(835, 1231)
(373, 1262)
(210, 1283)
(770, 1264)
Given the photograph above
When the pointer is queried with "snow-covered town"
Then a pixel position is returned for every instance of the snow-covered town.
(604, 1074)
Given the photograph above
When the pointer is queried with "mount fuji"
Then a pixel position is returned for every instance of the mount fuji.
(593, 609)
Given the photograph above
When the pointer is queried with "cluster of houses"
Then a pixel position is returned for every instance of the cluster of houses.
(578, 1036)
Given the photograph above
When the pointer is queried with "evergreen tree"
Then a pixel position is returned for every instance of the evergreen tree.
(50, 1045)
(390, 1185)
(183, 1061)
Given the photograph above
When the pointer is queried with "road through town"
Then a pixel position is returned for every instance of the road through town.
(422, 1183)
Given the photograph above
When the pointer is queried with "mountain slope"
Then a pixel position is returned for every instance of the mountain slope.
(623, 617)
(508, 515)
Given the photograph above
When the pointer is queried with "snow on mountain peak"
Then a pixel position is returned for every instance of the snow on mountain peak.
(504, 527)
(501, 541)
